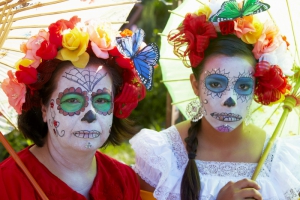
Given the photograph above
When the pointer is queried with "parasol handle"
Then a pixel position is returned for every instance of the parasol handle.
(22, 166)
(289, 103)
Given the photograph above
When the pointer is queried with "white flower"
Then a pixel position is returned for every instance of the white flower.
(282, 57)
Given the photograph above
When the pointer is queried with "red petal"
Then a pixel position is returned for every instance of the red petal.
(26, 75)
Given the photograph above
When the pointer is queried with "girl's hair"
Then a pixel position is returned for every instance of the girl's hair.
(31, 123)
(228, 45)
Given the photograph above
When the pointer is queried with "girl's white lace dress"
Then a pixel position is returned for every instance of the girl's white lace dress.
(161, 158)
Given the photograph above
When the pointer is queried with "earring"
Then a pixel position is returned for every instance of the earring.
(195, 110)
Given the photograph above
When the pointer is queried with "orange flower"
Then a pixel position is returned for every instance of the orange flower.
(251, 37)
(102, 39)
(243, 25)
(15, 91)
(126, 33)
(268, 41)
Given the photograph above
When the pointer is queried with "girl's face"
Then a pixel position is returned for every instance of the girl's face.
(225, 89)
(80, 111)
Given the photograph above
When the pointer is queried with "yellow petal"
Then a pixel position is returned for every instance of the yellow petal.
(82, 61)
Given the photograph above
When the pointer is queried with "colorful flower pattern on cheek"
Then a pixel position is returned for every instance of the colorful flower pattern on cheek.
(53, 123)
(71, 90)
(105, 96)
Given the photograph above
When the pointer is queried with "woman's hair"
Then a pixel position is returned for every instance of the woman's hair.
(228, 45)
(31, 123)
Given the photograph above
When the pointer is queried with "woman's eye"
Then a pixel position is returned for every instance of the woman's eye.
(73, 100)
(102, 100)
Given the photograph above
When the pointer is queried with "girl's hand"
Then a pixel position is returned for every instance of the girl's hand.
(243, 189)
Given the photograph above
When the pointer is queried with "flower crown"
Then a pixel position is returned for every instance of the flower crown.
(270, 48)
(71, 40)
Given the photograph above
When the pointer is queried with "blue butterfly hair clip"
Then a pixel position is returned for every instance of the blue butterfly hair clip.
(144, 60)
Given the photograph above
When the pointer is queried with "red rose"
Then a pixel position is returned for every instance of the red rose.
(47, 51)
(271, 84)
(26, 75)
(195, 32)
(56, 29)
(227, 27)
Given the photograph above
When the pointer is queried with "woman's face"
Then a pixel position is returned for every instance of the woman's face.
(225, 88)
(80, 111)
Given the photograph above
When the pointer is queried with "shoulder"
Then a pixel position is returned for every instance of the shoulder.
(13, 181)
(160, 157)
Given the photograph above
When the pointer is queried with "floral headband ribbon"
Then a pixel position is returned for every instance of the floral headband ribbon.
(270, 48)
(74, 41)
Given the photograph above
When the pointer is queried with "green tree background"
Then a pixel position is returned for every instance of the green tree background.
(151, 112)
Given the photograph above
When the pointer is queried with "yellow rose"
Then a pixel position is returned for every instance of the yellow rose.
(251, 37)
(74, 48)
(24, 62)
(204, 10)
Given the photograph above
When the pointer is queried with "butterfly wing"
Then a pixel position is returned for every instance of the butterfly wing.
(252, 7)
(144, 61)
(128, 46)
(137, 39)
(124, 45)
(229, 10)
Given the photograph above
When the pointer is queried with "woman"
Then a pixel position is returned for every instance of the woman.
(73, 90)
(214, 155)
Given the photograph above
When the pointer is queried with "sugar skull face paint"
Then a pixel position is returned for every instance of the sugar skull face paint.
(226, 91)
(80, 111)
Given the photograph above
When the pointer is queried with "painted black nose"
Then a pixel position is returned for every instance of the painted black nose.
(229, 102)
(90, 116)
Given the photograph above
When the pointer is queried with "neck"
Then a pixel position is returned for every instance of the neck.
(76, 169)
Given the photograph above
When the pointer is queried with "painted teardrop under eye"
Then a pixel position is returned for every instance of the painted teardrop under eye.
(102, 102)
(247, 84)
(216, 83)
(72, 102)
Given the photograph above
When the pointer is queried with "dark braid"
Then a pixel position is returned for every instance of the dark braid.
(190, 184)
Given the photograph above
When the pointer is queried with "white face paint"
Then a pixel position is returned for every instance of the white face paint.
(226, 91)
(80, 111)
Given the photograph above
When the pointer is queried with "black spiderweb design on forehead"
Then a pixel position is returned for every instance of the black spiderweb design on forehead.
(215, 71)
(85, 78)
(243, 98)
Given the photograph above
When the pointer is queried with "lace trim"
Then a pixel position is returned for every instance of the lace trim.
(178, 148)
(292, 194)
(213, 168)
(154, 166)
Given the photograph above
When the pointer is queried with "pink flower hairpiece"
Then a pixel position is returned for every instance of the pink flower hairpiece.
(71, 40)
(270, 48)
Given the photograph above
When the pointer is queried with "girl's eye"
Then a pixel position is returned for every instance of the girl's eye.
(72, 102)
(244, 86)
(216, 83)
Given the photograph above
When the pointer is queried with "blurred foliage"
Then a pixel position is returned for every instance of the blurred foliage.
(151, 112)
